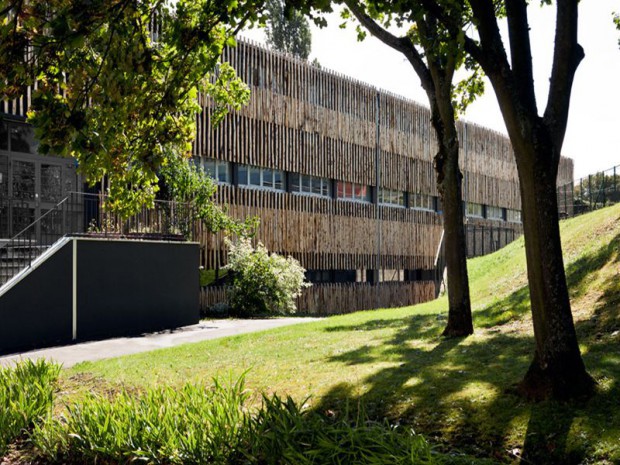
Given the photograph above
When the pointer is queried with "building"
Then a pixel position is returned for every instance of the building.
(339, 172)
(341, 175)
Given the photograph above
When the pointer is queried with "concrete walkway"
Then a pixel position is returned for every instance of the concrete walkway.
(109, 348)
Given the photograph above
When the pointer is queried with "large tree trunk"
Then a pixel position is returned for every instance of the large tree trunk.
(557, 369)
(449, 184)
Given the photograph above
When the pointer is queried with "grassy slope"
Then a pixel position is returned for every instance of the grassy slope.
(456, 391)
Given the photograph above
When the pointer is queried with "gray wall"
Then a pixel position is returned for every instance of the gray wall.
(122, 288)
(36, 312)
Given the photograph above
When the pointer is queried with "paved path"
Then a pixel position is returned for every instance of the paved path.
(98, 350)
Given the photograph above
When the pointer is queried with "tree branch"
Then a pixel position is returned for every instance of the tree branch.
(567, 56)
(402, 44)
(455, 27)
(521, 52)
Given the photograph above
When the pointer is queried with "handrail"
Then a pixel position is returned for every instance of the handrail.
(34, 223)
(23, 248)
(80, 213)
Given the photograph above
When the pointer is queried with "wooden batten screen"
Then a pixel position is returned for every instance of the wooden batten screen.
(332, 299)
(330, 234)
(307, 120)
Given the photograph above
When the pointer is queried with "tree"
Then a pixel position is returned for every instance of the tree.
(288, 30)
(118, 82)
(184, 182)
(557, 369)
(435, 55)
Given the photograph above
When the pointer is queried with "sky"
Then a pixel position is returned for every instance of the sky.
(593, 133)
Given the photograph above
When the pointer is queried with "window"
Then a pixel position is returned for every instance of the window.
(4, 136)
(4, 177)
(474, 210)
(310, 185)
(391, 197)
(353, 191)
(422, 202)
(265, 178)
(391, 275)
(218, 170)
(495, 213)
(419, 275)
(514, 216)
(17, 137)
(319, 276)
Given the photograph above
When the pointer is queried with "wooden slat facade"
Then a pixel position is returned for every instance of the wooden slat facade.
(307, 120)
(337, 298)
(302, 119)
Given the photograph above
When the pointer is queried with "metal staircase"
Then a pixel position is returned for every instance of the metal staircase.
(19, 252)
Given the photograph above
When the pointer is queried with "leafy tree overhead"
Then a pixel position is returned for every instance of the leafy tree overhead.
(288, 30)
(435, 56)
(119, 83)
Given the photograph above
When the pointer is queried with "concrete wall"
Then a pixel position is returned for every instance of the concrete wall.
(121, 288)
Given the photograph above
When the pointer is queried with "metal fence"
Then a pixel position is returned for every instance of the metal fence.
(482, 240)
(81, 213)
(589, 193)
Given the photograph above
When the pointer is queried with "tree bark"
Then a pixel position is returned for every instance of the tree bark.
(449, 184)
(557, 369)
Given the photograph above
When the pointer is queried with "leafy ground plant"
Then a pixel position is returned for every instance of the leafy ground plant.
(196, 425)
(26, 396)
(192, 424)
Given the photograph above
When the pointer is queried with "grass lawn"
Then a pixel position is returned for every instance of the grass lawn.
(457, 392)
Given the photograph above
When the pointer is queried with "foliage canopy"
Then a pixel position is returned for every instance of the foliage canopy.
(117, 84)
(288, 30)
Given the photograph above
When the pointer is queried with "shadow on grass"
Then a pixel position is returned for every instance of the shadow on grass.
(422, 326)
(579, 274)
(460, 392)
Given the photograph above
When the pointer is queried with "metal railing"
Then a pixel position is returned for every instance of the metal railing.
(589, 193)
(440, 264)
(482, 240)
(85, 214)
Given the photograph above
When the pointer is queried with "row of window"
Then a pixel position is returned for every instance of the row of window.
(477, 210)
(266, 178)
(271, 179)
(360, 275)
(369, 276)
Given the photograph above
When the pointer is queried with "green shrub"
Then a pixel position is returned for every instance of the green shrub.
(196, 425)
(26, 396)
(262, 282)
(283, 433)
(192, 424)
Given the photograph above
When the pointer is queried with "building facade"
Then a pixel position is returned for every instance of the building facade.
(340, 174)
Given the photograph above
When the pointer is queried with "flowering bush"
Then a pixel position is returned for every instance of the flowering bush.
(262, 282)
